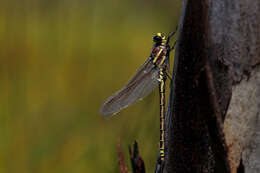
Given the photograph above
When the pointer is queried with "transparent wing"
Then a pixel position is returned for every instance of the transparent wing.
(140, 85)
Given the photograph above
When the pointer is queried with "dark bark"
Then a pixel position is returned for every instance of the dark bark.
(137, 162)
(217, 49)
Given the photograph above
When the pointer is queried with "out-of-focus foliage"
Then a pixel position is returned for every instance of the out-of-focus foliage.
(59, 60)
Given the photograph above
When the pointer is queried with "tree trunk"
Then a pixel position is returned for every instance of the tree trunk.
(213, 119)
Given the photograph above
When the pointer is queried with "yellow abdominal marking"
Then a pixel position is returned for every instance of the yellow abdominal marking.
(162, 114)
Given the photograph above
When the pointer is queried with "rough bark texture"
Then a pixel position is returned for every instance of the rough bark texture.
(242, 124)
(213, 112)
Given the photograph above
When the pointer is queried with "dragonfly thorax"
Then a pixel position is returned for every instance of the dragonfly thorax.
(159, 55)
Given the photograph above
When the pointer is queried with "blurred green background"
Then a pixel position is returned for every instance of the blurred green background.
(60, 60)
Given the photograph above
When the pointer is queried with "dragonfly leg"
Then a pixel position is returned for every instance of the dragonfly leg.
(171, 34)
(173, 46)
(169, 75)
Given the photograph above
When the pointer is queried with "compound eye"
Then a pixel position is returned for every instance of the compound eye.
(157, 39)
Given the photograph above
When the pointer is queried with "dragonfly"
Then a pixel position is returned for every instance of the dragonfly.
(154, 71)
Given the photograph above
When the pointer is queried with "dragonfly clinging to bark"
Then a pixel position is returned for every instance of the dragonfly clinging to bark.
(144, 81)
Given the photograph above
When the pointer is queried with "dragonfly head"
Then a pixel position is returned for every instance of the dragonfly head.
(159, 38)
